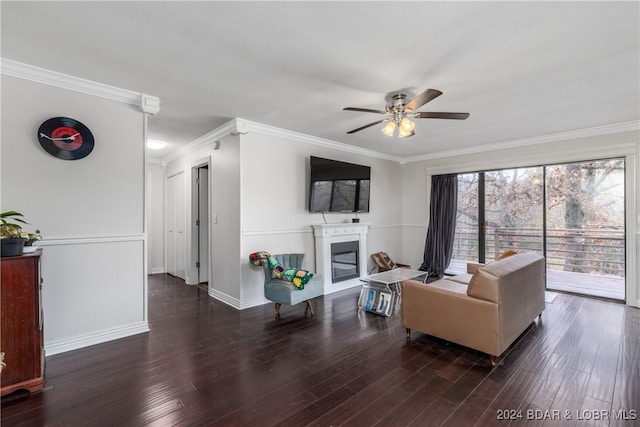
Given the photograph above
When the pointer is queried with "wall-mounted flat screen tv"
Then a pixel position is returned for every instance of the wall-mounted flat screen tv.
(338, 186)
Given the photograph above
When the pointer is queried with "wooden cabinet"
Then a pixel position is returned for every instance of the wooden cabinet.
(22, 338)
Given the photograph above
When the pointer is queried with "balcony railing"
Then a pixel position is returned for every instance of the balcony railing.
(587, 251)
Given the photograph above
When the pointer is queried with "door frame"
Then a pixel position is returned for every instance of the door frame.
(192, 227)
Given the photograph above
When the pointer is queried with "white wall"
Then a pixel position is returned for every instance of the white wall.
(416, 184)
(223, 155)
(224, 184)
(259, 202)
(415, 212)
(274, 194)
(155, 211)
(90, 211)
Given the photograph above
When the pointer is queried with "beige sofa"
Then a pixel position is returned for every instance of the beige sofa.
(486, 309)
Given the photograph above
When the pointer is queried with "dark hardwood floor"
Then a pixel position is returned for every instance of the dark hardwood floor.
(206, 364)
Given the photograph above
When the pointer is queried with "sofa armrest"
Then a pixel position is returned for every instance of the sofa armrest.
(472, 267)
(442, 310)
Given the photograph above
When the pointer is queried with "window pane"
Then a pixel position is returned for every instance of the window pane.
(513, 211)
(465, 245)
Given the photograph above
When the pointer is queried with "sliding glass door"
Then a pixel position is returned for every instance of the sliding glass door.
(513, 211)
(573, 214)
(498, 211)
(585, 228)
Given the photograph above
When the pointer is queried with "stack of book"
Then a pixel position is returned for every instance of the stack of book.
(378, 301)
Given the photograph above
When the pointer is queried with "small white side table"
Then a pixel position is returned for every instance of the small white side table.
(381, 292)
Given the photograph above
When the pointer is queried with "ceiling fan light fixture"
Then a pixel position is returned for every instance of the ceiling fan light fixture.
(389, 128)
(399, 113)
(402, 133)
(407, 125)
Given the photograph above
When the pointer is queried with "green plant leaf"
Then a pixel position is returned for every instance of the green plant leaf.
(13, 215)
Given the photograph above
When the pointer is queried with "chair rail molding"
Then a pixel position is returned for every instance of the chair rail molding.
(84, 240)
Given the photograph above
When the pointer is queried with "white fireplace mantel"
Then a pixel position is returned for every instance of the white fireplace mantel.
(325, 235)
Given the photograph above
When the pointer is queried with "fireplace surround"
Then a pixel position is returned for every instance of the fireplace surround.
(348, 258)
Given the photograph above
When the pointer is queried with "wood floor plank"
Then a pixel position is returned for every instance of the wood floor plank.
(370, 385)
(418, 404)
(204, 363)
(510, 398)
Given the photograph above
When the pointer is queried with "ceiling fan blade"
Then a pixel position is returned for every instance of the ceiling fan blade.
(426, 96)
(364, 110)
(434, 115)
(366, 126)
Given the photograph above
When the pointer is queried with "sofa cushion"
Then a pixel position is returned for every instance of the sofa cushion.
(484, 285)
(449, 285)
(486, 280)
(461, 278)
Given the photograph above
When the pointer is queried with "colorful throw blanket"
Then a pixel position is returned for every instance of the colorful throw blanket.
(299, 278)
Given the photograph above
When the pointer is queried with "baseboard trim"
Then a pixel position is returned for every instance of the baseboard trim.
(254, 302)
(235, 302)
(222, 297)
(62, 346)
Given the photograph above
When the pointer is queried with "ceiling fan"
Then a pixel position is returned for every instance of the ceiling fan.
(399, 113)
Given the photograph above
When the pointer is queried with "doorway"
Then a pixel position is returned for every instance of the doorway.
(200, 221)
(572, 213)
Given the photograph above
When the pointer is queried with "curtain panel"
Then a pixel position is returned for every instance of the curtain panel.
(438, 247)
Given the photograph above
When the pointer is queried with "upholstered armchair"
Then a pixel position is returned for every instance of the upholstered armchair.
(284, 292)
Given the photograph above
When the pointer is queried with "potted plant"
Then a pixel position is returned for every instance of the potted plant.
(12, 238)
(31, 238)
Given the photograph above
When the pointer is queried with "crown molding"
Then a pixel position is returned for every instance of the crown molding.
(147, 103)
(208, 139)
(239, 126)
(314, 140)
(562, 136)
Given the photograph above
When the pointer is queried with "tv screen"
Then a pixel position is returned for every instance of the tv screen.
(338, 186)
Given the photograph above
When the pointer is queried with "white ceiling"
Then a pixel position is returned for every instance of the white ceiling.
(521, 69)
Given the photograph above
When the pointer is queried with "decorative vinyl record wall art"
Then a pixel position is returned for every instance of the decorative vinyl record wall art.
(65, 138)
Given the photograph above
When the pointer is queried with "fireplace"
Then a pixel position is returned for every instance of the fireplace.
(341, 254)
(344, 261)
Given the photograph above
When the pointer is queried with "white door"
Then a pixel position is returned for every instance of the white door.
(170, 226)
(203, 225)
(176, 240)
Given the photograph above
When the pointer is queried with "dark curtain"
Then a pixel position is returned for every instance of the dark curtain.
(442, 225)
